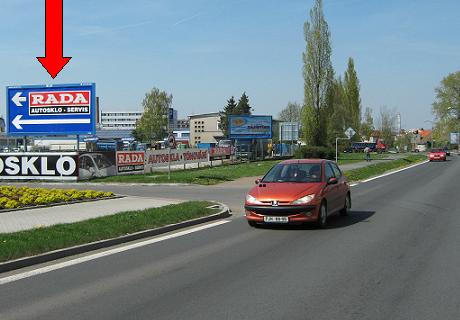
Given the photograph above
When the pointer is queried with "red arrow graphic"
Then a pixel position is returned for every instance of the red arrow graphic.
(54, 61)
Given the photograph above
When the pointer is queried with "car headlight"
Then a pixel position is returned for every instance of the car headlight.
(251, 199)
(304, 200)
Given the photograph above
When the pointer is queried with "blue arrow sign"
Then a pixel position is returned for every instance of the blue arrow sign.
(68, 109)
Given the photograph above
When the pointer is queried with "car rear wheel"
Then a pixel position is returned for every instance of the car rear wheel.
(322, 216)
(346, 209)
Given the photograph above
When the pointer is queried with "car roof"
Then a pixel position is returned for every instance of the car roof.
(293, 161)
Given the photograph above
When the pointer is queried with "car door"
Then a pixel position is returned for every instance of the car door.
(342, 185)
(332, 194)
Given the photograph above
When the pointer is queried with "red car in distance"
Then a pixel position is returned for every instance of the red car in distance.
(437, 155)
(298, 191)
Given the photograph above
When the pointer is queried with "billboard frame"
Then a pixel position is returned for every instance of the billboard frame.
(249, 135)
(93, 108)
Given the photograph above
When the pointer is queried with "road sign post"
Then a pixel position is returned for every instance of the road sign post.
(349, 133)
(51, 110)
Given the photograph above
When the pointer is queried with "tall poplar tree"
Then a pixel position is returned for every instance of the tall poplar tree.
(318, 76)
(352, 96)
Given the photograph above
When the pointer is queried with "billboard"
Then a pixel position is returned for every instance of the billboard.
(454, 137)
(61, 166)
(129, 162)
(162, 158)
(250, 127)
(98, 164)
(51, 110)
(289, 131)
(221, 152)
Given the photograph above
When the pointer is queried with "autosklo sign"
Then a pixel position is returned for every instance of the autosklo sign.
(130, 161)
(64, 102)
(39, 166)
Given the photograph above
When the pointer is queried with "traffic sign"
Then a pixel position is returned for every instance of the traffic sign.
(51, 110)
(350, 133)
(172, 141)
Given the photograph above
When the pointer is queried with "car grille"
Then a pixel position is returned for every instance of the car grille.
(280, 210)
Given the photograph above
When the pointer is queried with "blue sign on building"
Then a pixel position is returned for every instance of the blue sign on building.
(51, 110)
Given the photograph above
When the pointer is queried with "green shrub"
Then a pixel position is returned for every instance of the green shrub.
(315, 153)
(13, 197)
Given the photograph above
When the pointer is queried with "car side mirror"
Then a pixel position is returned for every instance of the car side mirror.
(332, 181)
(257, 181)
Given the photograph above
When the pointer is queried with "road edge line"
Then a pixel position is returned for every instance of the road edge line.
(389, 173)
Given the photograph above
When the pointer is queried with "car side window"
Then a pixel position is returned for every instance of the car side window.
(329, 172)
(337, 172)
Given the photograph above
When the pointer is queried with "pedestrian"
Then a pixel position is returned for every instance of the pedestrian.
(367, 151)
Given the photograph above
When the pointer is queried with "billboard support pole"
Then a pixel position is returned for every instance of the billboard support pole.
(169, 163)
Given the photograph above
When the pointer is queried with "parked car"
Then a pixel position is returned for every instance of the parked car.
(298, 191)
(437, 155)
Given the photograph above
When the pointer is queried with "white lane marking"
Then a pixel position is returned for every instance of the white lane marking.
(73, 262)
(389, 173)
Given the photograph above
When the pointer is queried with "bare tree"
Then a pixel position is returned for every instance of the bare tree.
(291, 113)
(386, 124)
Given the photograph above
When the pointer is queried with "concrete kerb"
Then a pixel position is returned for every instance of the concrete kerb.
(58, 204)
(63, 253)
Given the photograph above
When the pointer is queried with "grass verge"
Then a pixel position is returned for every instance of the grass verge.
(33, 242)
(204, 176)
(345, 158)
(380, 168)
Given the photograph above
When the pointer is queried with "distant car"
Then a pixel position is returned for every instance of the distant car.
(298, 191)
(437, 155)
(348, 150)
(447, 151)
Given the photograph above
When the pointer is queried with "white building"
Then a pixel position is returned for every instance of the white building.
(120, 120)
(205, 128)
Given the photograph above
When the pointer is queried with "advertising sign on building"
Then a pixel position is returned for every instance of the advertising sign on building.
(162, 158)
(250, 127)
(51, 110)
(61, 166)
(130, 162)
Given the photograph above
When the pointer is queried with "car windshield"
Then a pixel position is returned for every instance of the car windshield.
(294, 172)
(437, 150)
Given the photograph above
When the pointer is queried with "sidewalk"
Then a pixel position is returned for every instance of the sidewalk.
(36, 218)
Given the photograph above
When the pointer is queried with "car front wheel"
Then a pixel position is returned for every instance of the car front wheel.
(322, 216)
(346, 209)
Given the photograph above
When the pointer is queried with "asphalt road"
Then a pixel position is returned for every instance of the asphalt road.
(395, 257)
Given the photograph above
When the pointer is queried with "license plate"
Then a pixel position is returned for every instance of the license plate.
(276, 219)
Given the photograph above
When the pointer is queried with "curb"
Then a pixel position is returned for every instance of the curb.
(60, 204)
(62, 253)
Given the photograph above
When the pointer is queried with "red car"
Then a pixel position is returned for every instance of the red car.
(437, 155)
(298, 191)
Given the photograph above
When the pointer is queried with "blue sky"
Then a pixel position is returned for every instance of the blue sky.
(204, 51)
